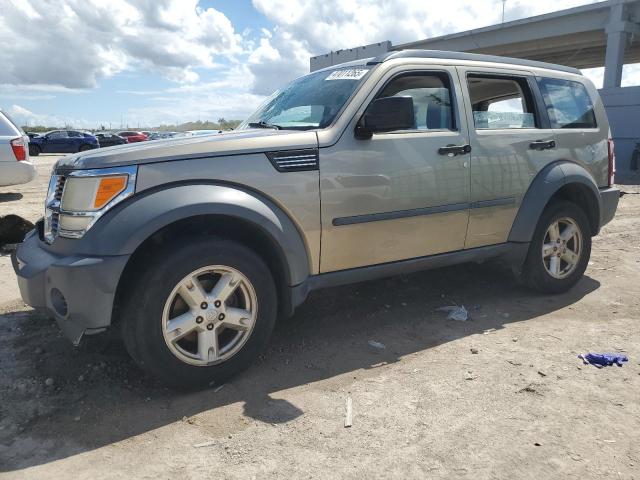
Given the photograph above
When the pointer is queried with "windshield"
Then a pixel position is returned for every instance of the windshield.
(312, 101)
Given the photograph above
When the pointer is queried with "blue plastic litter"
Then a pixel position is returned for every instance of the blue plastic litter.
(603, 359)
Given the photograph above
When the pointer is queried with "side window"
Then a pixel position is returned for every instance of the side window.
(501, 102)
(57, 134)
(432, 100)
(568, 104)
(74, 134)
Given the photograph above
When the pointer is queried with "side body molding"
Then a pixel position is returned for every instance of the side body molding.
(546, 183)
(122, 230)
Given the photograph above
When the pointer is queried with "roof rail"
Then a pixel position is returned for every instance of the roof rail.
(475, 57)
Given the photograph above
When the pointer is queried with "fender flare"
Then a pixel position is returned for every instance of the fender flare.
(546, 183)
(122, 230)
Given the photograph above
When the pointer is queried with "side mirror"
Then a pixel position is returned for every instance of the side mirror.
(386, 115)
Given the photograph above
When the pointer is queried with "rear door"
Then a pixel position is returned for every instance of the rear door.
(76, 139)
(510, 142)
(401, 194)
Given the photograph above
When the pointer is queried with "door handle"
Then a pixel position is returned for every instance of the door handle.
(542, 145)
(453, 150)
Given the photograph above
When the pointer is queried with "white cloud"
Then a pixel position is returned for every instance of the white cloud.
(71, 45)
(25, 117)
(74, 43)
(311, 27)
(630, 75)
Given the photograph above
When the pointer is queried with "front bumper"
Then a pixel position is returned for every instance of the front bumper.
(609, 197)
(79, 291)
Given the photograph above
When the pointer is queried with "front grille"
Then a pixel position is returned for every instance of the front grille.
(57, 197)
(52, 210)
(60, 187)
(294, 160)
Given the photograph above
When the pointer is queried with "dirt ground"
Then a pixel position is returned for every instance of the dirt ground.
(501, 396)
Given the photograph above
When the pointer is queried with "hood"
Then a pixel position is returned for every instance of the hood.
(183, 148)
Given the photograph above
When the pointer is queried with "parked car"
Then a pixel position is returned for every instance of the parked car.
(62, 141)
(162, 135)
(132, 136)
(110, 139)
(408, 161)
(15, 165)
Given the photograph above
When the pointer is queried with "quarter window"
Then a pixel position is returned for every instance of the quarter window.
(501, 102)
(431, 94)
(568, 104)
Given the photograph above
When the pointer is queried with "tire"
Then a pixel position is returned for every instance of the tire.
(537, 270)
(34, 150)
(84, 148)
(146, 312)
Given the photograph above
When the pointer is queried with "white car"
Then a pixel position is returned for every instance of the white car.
(197, 133)
(15, 165)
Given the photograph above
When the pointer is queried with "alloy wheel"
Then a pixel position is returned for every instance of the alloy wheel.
(209, 315)
(562, 247)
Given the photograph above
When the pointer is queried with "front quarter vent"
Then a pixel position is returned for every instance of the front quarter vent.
(294, 160)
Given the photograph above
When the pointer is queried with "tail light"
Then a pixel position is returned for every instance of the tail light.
(19, 147)
(612, 162)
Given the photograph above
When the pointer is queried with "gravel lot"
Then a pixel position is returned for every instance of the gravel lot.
(500, 396)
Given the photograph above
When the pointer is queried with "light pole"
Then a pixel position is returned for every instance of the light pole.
(503, 4)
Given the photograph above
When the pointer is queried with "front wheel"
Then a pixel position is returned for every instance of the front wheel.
(560, 249)
(201, 311)
(34, 150)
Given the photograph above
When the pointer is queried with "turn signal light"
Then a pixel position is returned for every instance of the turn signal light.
(108, 189)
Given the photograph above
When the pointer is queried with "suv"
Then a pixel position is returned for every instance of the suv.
(408, 161)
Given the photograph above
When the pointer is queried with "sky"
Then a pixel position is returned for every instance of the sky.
(88, 63)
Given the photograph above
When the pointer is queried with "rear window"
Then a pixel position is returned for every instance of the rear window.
(7, 128)
(568, 103)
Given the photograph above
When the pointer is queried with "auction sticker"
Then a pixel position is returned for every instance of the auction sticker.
(348, 74)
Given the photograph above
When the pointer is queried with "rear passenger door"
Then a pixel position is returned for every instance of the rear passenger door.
(510, 142)
(75, 140)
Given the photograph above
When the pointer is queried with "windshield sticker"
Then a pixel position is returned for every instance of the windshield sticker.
(348, 74)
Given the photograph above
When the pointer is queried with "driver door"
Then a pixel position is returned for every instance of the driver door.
(56, 142)
(397, 195)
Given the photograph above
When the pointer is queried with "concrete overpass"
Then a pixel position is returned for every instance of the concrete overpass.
(596, 35)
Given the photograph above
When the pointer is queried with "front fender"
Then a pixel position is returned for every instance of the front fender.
(546, 183)
(122, 230)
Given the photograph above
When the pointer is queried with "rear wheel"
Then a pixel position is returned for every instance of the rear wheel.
(34, 150)
(200, 313)
(84, 148)
(560, 249)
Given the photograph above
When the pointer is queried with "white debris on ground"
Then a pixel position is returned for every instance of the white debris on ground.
(458, 313)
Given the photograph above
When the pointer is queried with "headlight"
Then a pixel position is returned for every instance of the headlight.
(76, 200)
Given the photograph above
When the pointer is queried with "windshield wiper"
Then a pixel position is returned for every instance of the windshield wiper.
(263, 124)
